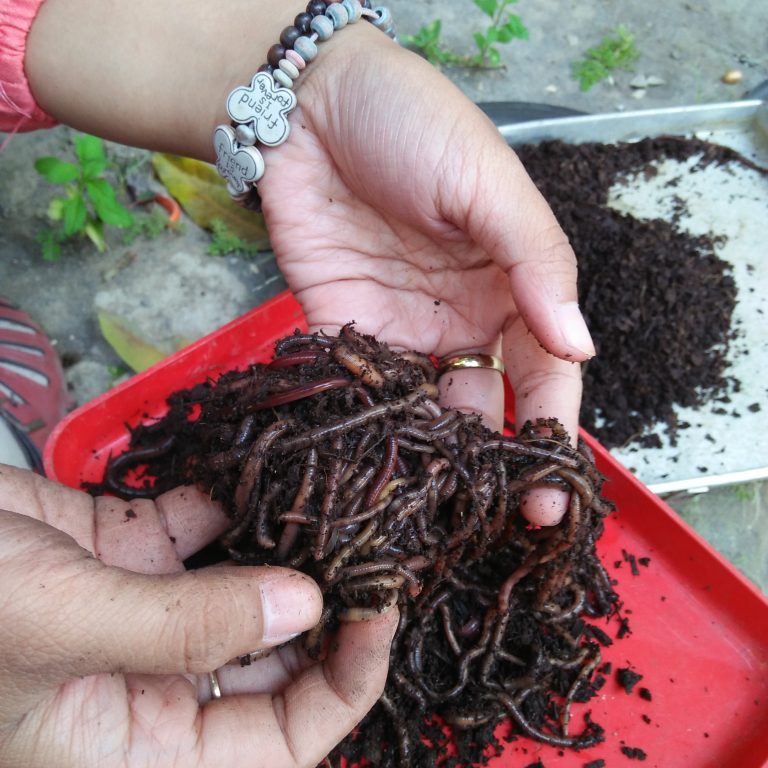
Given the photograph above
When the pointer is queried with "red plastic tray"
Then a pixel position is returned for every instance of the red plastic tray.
(699, 629)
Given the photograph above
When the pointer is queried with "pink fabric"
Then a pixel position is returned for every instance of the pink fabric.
(18, 109)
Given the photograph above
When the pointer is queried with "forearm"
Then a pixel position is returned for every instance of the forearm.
(148, 73)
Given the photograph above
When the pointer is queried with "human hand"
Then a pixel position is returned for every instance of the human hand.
(396, 204)
(105, 658)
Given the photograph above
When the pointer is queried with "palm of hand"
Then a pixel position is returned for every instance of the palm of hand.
(139, 720)
(108, 665)
(424, 230)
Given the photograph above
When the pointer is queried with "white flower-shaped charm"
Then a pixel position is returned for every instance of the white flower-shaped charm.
(266, 105)
(240, 166)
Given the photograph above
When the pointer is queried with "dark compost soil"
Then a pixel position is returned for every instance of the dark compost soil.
(657, 300)
(335, 459)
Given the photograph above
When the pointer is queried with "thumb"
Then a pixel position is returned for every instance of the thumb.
(504, 212)
(68, 615)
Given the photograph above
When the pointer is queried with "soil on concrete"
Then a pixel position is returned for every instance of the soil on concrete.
(336, 459)
(657, 300)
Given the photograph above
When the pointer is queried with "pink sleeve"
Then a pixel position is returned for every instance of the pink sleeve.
(18, 109)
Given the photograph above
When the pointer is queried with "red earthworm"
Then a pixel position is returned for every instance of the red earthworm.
(299, 340)
(329, 500)
(510, 446)
(131, 459)
(362, 613)
(358, 366)
(351, 422)
(385, 472)
(255, 462)
(291, 530)
(299, 393)
(453, 643)
(305, 357)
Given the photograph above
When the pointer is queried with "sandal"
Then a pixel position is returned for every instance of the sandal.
(33, 396)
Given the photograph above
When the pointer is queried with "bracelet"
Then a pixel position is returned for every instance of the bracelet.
(259, 112)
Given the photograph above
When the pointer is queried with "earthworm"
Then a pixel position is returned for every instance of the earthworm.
(384, 498)
(131, 459)
(298, 393)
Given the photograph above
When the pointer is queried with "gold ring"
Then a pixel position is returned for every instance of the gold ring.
(456, 362)
(213, 679)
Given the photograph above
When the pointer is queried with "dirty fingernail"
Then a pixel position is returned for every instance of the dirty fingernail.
(290, 605)
(574, 329)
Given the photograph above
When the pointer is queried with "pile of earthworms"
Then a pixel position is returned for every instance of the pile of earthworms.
(336, 459)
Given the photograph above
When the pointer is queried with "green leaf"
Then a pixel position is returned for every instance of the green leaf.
(108, 209)
(94, 167)
(491, 36)
(612, 53)
(203, 195)
(479, 40)
(94, 231)
(133, 350)
(435, 28)
(74, 214)
(49, 245)
(513, 29)
(56, 171)
(494, 57)
(488, 7)
(56, 208)
(89, 148)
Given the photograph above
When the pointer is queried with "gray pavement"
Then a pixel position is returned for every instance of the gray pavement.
(171, 291)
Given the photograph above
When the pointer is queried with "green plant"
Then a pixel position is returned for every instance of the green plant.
(504, 27)
(427, 40)
(224, 241)
(151, 225)
(617, 52)
(117, 372)
(744, 492)
(88, 201)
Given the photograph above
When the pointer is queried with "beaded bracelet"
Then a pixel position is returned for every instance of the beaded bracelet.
(259, 112)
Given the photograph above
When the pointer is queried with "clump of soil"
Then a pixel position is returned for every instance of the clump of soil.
(336, 459)
(657, 300)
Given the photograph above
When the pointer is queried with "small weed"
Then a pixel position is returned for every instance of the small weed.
(744, 493)
(617, 52)
(224, 241)
(151, 225)
(117, 372)
(88, 202)
(427, 40)
(504, 28)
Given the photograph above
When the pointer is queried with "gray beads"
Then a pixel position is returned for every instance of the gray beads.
(305, 48)
(282, 78)
(245, 134)
(289, 68)
(354, 10)
(337, 13)
(384, 20)
(322, 26)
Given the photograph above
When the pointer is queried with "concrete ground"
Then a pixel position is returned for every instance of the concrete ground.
(169, 290)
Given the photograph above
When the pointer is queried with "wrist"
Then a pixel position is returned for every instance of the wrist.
(146, 73)
(259, 112)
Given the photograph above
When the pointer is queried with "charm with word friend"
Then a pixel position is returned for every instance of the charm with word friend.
(264, 104)
(240, 166)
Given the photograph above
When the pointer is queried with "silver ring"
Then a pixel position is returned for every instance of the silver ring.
(213, 680)
(457, 362)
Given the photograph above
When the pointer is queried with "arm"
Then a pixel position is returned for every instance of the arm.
(393, 191)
